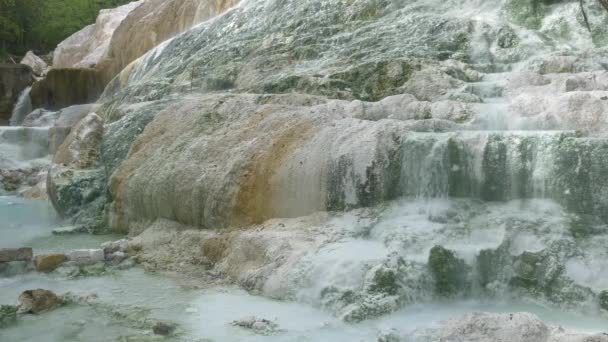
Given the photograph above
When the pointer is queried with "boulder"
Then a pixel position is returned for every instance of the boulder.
(86, 256)
(16, 254)
(8, 315)
(64, 118)
(49, 262)
(110, 247)
(14, 78)
(257, 325)
(164, 328)
(92, 270)
(78, 195)
(449, 272)
(38, 301)
(81, 148)
(39, 66)
(66, 87)
(116, 257)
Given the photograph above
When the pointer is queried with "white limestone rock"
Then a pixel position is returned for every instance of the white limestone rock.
(85, 48)
(39, 67)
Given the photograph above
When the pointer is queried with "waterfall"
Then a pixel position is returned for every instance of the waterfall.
(22, 108)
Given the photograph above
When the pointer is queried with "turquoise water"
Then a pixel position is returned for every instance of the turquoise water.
(22, 221)
(28, 223)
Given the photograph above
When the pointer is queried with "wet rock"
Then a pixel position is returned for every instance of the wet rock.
(603, 298)
(110, 247)
(36, 192)
(81, 148)
(257, 325)
(86, 256)
(49, 262)
(80, 299)
(559, 64)
(214, 248)
(38, 301)
(69, 230)
(19, 179)
(78, 195)
(450, 273)
(126, 264)
(65, 118)
(164, 328)
(507, 38)
(16, 254)
(116, 257)
(92, 270)
(39, 67)
(14, 78)
(68, 270)
(8, 315)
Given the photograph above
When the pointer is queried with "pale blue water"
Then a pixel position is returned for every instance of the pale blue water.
(23, 220)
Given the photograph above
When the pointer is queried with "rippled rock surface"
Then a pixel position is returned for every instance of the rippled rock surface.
(371, 154)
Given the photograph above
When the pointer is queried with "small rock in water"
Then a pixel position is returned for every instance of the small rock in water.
(49, 262)
(116, 257)
(37, 301)
(16, 254)
(93, 269)
(74, 298)
(68, 270)
(8, 315)
(125, 265)
(69, 230)
(86, 256)
(115, 246)
(258, 325)
(163, 328)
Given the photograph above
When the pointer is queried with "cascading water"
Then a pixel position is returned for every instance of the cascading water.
(22, 108)
(384, 165)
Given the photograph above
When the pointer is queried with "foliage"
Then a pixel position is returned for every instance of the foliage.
(40, 25)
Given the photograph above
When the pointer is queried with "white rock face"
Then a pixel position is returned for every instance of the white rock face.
(38, 66)
(515, 327)
(153, 23)
(85, 48)
(481, 327)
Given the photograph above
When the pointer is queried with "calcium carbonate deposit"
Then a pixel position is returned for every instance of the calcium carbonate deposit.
(316, 170)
